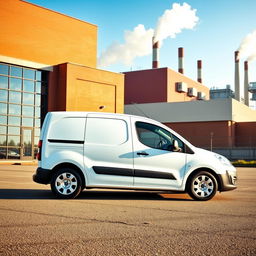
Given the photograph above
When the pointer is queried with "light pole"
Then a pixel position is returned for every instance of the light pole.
(211, 139)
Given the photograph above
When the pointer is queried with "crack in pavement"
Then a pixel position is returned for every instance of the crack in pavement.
(69, 217)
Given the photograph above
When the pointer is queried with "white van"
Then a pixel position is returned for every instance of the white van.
(79, 150)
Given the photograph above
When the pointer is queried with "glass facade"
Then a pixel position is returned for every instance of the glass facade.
(23, 105)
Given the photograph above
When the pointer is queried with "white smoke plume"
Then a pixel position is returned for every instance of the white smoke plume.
(247, 48)
(173, 21)
(138, 42)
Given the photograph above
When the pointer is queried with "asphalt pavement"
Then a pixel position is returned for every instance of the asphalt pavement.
(108, 222)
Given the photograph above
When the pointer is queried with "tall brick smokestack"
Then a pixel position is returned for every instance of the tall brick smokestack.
(237, 77)
(181, 55)
(199, 71)
(246, 84)
(155, 55)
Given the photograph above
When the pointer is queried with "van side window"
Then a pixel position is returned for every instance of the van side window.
(156, 137)
(106, 131)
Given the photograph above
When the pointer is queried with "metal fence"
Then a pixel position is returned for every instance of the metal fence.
(237, 153)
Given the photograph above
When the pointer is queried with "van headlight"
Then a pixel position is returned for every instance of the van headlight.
(222, 159)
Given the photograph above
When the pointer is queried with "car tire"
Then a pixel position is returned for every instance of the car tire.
(66, 183)
(202, 186)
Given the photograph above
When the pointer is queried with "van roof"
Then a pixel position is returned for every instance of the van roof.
(85, 114)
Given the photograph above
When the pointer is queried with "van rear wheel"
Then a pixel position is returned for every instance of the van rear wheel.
(202, 186)
(66, 183)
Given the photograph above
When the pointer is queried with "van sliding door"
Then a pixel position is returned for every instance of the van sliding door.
(108, 151)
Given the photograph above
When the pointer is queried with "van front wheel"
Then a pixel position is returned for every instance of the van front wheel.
(202, 186)
(66, 183)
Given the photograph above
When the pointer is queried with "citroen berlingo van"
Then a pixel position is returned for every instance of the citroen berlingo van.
(80, 150)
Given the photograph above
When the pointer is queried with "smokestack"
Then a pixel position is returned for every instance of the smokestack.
(181, 55)
(199, 71)
(237, 77)
(246, 84)
(155, 56)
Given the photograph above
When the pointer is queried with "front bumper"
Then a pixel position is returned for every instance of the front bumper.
(228, 181)
(42, 176)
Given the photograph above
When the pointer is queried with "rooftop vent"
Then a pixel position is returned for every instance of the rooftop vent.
(201, 96)
(182, 87)
(192, 92)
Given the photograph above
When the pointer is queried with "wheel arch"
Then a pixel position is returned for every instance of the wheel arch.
(208, 170)
(70, 165)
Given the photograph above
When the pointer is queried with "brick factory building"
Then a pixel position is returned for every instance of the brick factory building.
(183, 104)
(162, 85)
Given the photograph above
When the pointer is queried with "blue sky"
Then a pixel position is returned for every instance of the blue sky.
(221, 28)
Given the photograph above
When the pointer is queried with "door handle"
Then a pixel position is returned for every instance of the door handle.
(142, 154)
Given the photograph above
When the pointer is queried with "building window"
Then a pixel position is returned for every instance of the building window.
(22, 109)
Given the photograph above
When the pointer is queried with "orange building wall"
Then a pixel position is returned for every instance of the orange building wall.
(200, 133)
(174, 96)
(158, 85)
(33, 33)
(80, 88)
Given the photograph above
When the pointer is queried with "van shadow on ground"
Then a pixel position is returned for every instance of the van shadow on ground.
(41, 194)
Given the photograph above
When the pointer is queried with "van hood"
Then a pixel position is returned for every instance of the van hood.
(223, 160)
(204, 151)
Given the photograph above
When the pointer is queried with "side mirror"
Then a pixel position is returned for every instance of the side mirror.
(176, 147)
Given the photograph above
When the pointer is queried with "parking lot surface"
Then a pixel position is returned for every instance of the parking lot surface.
(108, 222)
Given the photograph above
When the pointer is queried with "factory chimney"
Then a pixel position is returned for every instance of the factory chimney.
(199, 71)
(155, 55)
(181, 55)
(237, 77)
(246, 84)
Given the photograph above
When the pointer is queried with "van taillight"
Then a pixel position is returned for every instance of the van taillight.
(40, 144)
